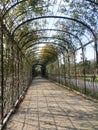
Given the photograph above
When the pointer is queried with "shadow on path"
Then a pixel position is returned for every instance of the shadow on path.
(48, 106)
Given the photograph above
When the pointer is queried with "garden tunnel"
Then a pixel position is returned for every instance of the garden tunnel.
(40, 71)
(63, 46)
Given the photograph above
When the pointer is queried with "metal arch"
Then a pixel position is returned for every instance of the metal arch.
(32, 40)
(92, 2)
(45, 42)
(26, 0)
(19, 15)
(58, 30)
(54, 17)
(51, 29)
(24, 12)
(43, 69)
(51, 42)
(81, 44)
(66, 18)
(65, 48)
(30, 53)
(40, 52)
(60, 17)
(46, 30)
(75, 20)
(17, 3)
(12, 7)
(46, 52)
(47, 38)
(36, 64)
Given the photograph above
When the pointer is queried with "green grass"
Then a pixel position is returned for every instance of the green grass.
(88, 92)
(96, 80)
(90, 79)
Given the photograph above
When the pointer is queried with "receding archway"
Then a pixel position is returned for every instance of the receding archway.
(38, 70)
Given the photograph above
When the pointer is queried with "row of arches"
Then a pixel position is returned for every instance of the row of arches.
(25, 28)
(39, 70)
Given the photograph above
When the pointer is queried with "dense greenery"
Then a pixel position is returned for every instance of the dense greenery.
(48, 54)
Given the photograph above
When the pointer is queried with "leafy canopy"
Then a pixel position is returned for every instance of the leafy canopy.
(48, 54)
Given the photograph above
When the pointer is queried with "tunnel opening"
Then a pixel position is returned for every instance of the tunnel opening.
(39, 70)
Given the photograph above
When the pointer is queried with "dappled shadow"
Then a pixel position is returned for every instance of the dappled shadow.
(46, 109)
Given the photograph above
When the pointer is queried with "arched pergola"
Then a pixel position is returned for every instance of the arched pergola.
(26, 28)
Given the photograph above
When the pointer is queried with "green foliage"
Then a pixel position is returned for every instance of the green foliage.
(88, 66)
(82, 10)
(84, 66)
(48, 54)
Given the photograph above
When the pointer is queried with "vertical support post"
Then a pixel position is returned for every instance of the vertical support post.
(96, 50)
(69, 70)
(2, 71)
(84, 74)
(12, 56)
(75, 68)
(64, 69)
(59, 70)
(18, 72)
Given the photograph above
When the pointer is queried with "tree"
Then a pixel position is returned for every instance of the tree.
(86, 66)
(84, 11)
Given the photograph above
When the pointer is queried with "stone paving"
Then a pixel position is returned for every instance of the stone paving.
(48, 106)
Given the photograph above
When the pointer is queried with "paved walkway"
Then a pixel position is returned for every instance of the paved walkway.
(50, 107)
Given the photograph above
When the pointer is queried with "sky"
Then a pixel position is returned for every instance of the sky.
(89, 53)
(55, 9)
